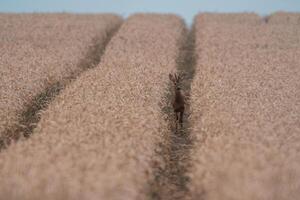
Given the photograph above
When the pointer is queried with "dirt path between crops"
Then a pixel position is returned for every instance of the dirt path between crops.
(31, 116)
(171, 180)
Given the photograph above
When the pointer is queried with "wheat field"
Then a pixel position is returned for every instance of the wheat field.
(245, 107)
(97, 139)
(86, 107)
(39, 50)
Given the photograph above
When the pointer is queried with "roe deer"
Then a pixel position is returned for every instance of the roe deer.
(178, 102)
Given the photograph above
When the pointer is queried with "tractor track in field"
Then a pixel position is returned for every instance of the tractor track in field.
(31, 115)
(170, 181)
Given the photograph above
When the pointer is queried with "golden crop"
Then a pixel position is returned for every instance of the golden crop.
(39, 50)
(245, 108)
(97, 139)
(109, 134)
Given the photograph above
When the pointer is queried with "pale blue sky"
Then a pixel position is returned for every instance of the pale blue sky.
(185, 8)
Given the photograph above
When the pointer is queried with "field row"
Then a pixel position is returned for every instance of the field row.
(99, 138)
(40, 50)
(245, 108)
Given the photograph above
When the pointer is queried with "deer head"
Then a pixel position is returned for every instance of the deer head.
(176, 79)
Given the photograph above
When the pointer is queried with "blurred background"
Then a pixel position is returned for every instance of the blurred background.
(186, 8)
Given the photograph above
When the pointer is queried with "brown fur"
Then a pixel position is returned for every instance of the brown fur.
(178, 102)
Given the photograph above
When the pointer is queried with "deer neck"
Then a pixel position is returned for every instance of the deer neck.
(178, 95)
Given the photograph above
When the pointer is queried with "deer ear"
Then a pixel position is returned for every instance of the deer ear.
(176, 77)
(171, 77)
(181, 76)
